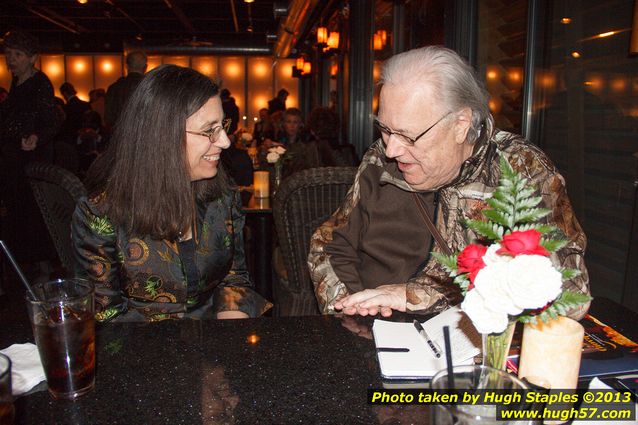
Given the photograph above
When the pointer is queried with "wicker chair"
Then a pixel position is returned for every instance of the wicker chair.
(56, 191)
(304, 201)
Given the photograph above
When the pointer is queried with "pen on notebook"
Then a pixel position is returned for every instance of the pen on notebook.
(392, 349)
(424, 335)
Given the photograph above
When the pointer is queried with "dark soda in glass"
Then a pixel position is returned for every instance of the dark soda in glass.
(66, 343)
(64, 331)
(6, 413)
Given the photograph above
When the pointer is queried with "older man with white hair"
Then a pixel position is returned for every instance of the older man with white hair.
(436, 163)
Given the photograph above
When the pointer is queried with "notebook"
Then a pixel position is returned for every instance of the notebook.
(420, 362)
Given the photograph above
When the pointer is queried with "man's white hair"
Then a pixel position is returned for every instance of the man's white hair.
(451, 79)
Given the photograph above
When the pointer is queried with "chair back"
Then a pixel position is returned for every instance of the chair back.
(303, 202)
(56, 191)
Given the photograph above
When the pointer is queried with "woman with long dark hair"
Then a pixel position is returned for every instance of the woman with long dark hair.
(160, 232)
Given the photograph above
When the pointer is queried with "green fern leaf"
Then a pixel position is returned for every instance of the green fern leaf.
(568, 274)
(553, 245)
(526, 203)
(489, 230)
(544, 228)
(524, 192)
(498, 217)
(506, 168)
(533, 214)
(447, 261)
(497, 204)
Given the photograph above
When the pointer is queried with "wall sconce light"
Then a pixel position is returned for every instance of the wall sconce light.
(384, 36)
(379, 39)
(377, 43)
(322, 35)
(301, 68)
(334, 68)
(333, 40)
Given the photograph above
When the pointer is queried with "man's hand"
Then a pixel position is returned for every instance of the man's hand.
(383, 299)
(359, 329)
(29, 143)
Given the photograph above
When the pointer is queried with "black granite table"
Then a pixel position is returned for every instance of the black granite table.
(255, 371)
(278, 370)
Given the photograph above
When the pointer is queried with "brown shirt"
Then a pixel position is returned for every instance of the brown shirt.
(386, 240)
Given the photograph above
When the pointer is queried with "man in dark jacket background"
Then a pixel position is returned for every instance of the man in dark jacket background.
(119, 92)
(74, 111)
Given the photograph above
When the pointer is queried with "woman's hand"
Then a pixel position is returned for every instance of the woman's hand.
(232, 315)
(29, 143)
(383, 299)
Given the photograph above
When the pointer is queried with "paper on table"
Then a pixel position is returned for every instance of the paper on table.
(26, 367)
(420, 361)
(597, 384)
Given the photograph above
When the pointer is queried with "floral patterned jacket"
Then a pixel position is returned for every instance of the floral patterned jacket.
(147, 275)
(431, 290)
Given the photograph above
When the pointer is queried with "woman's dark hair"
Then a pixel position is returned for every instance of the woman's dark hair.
(144, 173)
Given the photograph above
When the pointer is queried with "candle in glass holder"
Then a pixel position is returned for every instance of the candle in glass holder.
(552, 351)
(261, 183)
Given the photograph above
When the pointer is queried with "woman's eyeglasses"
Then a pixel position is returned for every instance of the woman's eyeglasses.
(214, 133)
(405, 140)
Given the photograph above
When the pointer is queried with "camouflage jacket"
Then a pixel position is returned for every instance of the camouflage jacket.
(431, 290)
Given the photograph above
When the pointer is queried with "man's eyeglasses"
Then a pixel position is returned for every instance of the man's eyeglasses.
(214, 133)
(405, 140)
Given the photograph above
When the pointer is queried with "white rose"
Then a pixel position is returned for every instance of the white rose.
(492, 282)
(485, 321)
(533, 281)
(280, 150)
(491, 257)
(246, 137)
(272, 157)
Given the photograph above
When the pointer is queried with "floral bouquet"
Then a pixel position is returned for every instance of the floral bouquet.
(276, 156)
(513, 278)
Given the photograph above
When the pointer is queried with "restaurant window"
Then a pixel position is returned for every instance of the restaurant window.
(586, 105)
(501, 58)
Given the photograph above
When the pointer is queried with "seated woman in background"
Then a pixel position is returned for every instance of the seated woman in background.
(161, 231)
(302, 151)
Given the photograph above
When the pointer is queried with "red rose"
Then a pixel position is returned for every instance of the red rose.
(522, 243)
(470, 260)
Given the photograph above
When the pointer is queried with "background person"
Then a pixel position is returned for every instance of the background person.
(439, 148)
(74, 111)
(231, 110)
(160, 233)
(278, 103)
(118, 93)
(29, 120)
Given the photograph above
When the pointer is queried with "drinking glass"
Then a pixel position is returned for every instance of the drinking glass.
(6, 399)
(469, 379)
(64, 329)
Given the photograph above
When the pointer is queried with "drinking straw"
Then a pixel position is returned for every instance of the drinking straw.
(22, 277)
(448, 357)
(18, 270)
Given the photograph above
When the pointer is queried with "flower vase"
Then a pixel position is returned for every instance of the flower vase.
(277, 176)
(496, 347)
